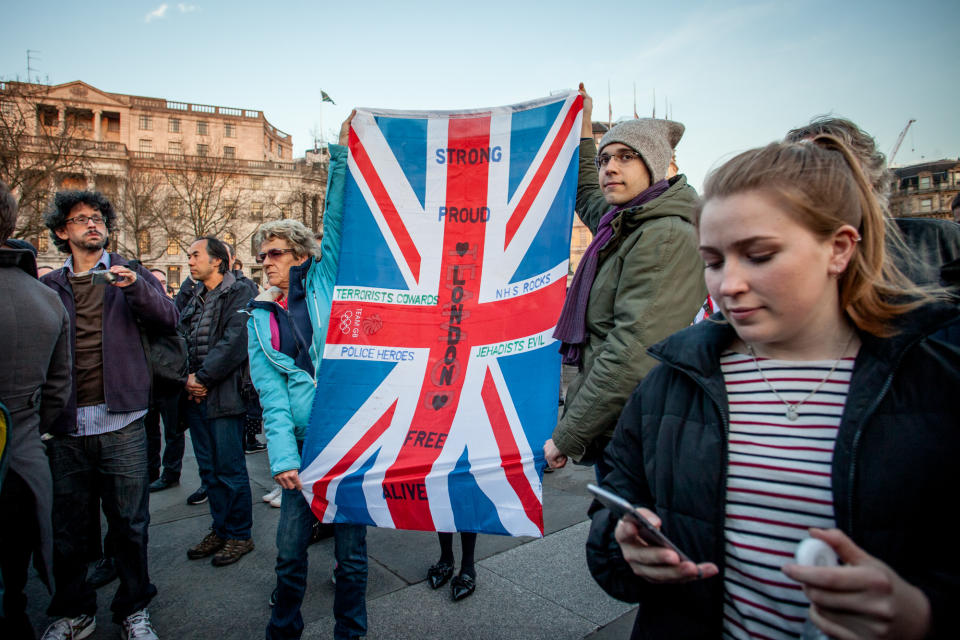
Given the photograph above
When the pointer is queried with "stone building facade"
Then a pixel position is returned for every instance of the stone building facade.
(174, 170)
(925, 190)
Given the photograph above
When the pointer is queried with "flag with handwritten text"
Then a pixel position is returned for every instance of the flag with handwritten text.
(440, 377)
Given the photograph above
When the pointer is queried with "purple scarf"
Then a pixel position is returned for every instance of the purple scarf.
(572, 325)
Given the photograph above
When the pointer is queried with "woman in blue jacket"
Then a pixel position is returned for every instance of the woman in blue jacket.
(286, 332)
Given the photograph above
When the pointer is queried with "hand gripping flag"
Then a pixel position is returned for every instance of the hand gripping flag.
(439, 380)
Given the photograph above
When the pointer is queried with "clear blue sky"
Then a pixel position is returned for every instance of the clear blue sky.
(737, 74)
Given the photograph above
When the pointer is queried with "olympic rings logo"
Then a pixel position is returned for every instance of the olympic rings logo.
(346, 321)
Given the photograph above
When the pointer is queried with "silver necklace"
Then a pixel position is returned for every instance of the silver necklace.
(793, 410)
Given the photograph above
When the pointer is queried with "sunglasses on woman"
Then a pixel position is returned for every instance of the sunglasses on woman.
(273, 253)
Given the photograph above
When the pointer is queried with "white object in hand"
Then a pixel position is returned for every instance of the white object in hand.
(816, 553)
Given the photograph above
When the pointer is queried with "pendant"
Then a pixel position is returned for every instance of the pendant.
(792, 413)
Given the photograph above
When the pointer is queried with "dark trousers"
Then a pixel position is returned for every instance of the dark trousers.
(19, 536)
(218, 446)
(350, 550)
(116, 462)
(165, 409)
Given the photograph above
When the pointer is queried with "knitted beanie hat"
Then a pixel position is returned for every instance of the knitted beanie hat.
(654, 139)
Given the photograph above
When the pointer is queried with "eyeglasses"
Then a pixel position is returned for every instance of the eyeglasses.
(622, 157)
(85, 220)
(273, 253)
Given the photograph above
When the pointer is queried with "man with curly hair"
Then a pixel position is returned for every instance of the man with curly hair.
(98, 448)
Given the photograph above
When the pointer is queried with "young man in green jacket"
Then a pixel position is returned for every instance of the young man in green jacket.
(640, 280)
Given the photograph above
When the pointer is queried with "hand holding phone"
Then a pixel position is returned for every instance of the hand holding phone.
(650, 554)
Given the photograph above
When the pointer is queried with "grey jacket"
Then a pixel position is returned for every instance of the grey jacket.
(35, 380)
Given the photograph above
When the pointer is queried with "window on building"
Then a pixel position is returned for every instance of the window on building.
(202, 127)
(271, 146)
(256, 210)
(231, 240)
(73, 181)
(175, 148)
(50, 117)
(230, 152)
(280, 150)
(254, 247)
(146, 123)
(173, 125)
(143, 241)
(230, 208)
(113, 125)
(173, 207)
(230, 130)
(43, 242)
(256, 183)
(173, 245)
(925, 182)
(203, 149)
(926, 204)
(173, 277)
(146, 145)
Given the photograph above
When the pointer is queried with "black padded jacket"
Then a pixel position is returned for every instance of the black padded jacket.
(893, 471)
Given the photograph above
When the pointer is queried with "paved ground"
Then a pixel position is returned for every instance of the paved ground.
(526, 588)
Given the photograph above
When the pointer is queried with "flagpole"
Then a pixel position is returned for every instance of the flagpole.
(609, 108)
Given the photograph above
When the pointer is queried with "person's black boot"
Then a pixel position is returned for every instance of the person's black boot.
(104, 572)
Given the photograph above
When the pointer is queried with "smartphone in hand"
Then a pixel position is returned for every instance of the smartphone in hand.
(627, 511)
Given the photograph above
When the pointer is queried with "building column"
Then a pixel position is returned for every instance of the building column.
(62, 115)
(97, 113)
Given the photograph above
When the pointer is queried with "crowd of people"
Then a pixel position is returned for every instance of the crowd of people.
(811, 400)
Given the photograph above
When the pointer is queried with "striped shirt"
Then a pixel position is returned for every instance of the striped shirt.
(96, 420)
(778, 485)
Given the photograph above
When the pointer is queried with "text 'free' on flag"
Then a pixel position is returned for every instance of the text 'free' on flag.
(440, 376)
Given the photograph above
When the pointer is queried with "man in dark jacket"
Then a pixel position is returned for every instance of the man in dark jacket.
(99, 445)
(253, 420)
(35, 387)
(217, 344)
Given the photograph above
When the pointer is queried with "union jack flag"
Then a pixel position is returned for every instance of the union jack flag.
(440, 376)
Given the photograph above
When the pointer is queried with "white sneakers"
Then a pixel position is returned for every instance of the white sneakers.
(137, 626)
(71, 628)
(273, 498)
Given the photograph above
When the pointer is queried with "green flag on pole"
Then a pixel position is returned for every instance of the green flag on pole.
(325, 98)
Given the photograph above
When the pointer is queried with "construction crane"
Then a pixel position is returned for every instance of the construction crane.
(896, 146)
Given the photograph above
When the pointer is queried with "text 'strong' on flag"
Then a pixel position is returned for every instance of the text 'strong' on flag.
(440, 376)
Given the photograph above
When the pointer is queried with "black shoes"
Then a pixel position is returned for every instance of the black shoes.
(198, 497)
(462, 586)
(252, 445)
(104, 572)
(438, 574)
(320, 531)
(162, 483)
